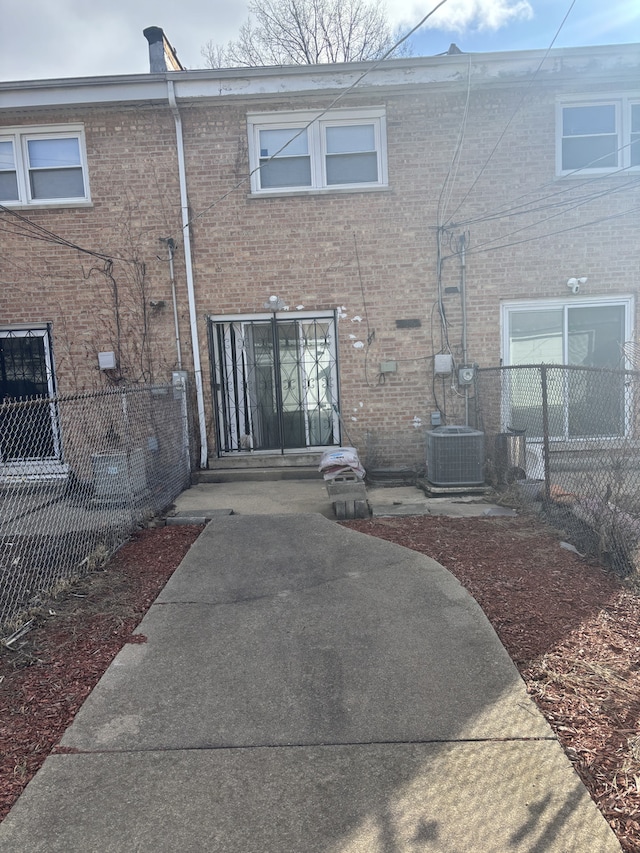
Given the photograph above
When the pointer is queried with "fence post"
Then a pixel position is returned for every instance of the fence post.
(545, 431)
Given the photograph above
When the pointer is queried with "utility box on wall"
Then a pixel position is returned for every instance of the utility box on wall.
(455, 456)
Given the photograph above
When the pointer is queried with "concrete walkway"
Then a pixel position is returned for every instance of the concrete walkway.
(304, 688)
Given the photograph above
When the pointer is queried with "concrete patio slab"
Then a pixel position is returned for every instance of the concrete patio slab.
(295, 496)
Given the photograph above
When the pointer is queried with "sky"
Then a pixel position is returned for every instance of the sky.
(42, 39)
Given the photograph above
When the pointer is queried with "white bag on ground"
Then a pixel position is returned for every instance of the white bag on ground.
(339, 461)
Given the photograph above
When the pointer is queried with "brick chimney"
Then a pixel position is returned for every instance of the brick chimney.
(162, 56)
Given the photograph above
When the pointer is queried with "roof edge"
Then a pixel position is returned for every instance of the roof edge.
(489, 68)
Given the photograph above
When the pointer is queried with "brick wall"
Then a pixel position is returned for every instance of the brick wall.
(373, 254)
(93, 306)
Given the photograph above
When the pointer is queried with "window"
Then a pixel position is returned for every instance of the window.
(297, 152)
(43, 166)
(598, 137)
(585, 333)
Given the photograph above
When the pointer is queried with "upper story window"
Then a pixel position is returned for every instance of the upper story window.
(43, 165)
(599, 136)
(297, 152)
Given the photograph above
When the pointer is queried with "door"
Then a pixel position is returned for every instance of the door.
(582, 403)
(275, 382)
(28, 431)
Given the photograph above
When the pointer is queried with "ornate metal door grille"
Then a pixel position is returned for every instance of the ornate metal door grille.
(275, 382)
(26, 374)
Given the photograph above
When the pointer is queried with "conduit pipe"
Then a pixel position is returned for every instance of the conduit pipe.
(171, 249)
(193, 320)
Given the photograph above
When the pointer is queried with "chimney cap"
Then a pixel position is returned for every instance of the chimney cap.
(153, 34)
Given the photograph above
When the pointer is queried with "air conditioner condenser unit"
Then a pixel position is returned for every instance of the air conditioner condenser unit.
(455, 456)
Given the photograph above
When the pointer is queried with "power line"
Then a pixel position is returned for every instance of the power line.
(509, 211)
(567, 207)
(304, 129)
(48, 236)
(455, 159)
(480, 249)
(513, 115)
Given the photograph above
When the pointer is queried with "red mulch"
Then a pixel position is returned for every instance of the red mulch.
(47, 675)
(571, 627)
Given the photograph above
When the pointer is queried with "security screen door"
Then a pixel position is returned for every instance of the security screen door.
(275, 382)
(27, 432)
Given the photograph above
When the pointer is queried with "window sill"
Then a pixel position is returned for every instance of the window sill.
(24, 472)
(54, 205)
(317, 192)
(586, 174)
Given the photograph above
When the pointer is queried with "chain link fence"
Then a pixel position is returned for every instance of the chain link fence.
(569, 437)
(77, 475)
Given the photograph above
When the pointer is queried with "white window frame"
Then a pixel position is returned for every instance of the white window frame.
(626, 301)
(20, 137)
(572, 302)
(314, 127)
(623, 105)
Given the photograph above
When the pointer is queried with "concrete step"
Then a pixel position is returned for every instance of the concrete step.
(260, 475)
(238, 461)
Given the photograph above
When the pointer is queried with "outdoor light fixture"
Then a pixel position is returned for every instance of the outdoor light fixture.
(574, 284)
(274, 303)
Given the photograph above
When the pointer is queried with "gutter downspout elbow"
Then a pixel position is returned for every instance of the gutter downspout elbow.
(193, 319)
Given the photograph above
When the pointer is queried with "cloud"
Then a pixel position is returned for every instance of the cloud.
(69, 38)
(461, 15)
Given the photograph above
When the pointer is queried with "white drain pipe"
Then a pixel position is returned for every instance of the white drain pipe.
(193, 320)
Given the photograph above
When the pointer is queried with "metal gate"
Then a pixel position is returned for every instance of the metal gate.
(275, 381)
(31, 431)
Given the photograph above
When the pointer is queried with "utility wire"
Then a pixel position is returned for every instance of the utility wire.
(575, 204)
(508, 211)
(304, 129)
(523, 209)
(513, 115)
(455, 159)
(47, 236)
(481, 248)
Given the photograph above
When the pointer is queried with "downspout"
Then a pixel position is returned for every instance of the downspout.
(193, 320)
(463, 296)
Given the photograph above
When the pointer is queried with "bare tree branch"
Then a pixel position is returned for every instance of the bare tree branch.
(307, 32)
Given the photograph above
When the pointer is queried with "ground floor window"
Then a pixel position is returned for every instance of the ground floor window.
(589, 334)
(274, 381)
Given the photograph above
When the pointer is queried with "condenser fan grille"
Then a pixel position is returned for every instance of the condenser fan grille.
(455, 456)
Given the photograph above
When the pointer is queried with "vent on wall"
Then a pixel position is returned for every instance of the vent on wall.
(455, 456)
